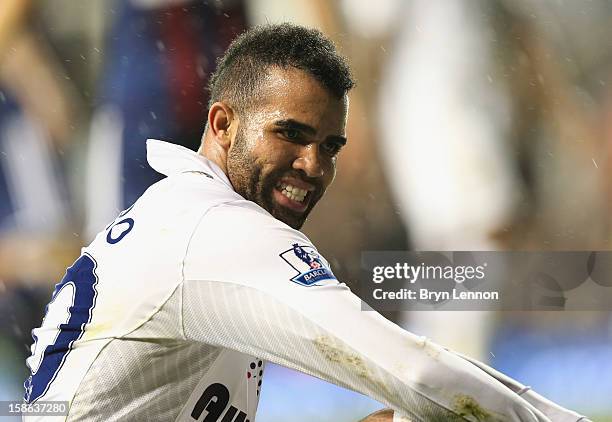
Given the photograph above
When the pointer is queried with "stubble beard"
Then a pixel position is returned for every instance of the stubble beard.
(248, 180)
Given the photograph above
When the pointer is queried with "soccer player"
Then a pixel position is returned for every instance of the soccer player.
(174, 308)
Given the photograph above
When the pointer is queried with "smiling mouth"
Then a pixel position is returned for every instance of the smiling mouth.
(292, 197)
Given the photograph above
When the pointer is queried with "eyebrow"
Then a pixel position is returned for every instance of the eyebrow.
(295, 125)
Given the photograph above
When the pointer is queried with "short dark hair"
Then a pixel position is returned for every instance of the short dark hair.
(248, 58)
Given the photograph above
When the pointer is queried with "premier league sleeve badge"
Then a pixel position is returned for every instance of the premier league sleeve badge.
(311, 268)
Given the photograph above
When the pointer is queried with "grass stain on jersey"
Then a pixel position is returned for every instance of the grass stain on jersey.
(432, 349)
(339, 353)
(465, 405)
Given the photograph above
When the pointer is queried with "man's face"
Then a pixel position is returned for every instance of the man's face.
(284, 154)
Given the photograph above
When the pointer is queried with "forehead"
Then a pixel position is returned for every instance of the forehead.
(294, 94)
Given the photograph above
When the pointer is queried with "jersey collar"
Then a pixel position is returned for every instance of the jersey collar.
(168, 159)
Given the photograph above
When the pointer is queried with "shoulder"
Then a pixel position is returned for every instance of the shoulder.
(240, 242)
(176, 204)
(242, 219)
(191, 187)
(242, 224)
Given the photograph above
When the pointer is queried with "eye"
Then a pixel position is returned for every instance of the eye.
(291, 134)
(331, 148)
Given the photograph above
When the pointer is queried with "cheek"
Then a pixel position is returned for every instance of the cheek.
(253, 138)
(330, 173)
(277, 153)
(255, 126)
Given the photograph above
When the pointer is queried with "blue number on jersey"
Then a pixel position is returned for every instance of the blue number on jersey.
(117, 230)
(65, 318)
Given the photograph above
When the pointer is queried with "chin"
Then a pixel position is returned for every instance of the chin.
(295, 222)
(292, 219)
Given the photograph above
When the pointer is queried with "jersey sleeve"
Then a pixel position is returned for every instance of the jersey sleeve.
(256, 286)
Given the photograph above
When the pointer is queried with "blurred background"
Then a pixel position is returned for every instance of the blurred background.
(475, 125)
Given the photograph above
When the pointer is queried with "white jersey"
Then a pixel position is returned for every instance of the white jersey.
(173, 309)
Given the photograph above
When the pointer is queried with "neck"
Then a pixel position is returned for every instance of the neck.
(214, 153)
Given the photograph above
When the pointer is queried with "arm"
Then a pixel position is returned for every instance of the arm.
(332, 339)
(238, 294)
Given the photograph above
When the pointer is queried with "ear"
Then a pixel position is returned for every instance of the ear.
(222, 124)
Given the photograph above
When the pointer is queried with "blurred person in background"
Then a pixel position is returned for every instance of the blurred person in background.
(37, 118)
(157, 59)
(451, 176)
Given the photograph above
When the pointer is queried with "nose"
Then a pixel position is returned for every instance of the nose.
(309, 161)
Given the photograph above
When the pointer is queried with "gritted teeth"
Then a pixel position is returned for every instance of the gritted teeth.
(292, 192)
